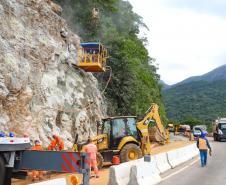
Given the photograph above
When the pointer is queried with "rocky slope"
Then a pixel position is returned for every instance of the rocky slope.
(40, 91)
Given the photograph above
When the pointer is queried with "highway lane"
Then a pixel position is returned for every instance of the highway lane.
(192, 173)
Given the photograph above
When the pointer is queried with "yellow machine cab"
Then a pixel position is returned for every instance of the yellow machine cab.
(93, 57)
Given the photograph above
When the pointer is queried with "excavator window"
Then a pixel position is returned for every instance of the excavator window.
(118, 128)
(131, 127)
(93, 57)
(107, 127)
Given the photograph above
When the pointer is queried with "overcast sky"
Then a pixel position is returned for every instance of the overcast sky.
(187, 37)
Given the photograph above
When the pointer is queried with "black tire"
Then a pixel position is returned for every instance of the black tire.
(2, 171)
(217, 138)
(100, 161)
(130, 148)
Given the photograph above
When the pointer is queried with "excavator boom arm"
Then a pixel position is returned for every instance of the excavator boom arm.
(143, 126)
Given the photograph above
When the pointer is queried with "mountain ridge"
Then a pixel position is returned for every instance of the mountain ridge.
(218, 73)
(202, 97)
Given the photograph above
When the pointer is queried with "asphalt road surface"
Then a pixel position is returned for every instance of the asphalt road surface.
(192, 173)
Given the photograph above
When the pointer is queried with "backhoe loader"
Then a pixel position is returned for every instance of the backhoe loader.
(126, 137)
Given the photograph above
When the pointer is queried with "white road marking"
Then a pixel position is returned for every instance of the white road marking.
(182, 169)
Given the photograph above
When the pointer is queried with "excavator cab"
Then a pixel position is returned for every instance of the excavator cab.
(118, 128)
(93, 57)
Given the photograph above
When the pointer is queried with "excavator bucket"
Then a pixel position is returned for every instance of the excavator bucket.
(93, 57)
(155, 135)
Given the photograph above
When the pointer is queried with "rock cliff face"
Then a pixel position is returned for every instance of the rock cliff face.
(41, 92)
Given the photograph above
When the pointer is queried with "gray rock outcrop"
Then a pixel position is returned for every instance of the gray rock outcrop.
(41, 92)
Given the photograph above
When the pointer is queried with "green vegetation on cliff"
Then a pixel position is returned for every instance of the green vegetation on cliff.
(134, 84)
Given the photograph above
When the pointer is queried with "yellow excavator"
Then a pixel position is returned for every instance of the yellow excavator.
(127, 137)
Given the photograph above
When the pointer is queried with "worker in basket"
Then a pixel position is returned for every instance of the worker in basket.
(203, 146)
(56, 144)
(91, 149)
(34, 174)
(95, 14)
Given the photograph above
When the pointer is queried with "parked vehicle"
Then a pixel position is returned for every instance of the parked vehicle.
(219, 129)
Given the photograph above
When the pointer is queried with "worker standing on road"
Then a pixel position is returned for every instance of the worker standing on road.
(91, 149)
(203, 146)
(56, 144)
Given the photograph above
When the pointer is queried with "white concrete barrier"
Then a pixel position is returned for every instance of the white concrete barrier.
(139, 172)
(161, 162)
(189, 152)
(173, 158)
(181, 155)
(192, 151)
(144, 173)
(60, 181)
(195, 150)
(120, 174)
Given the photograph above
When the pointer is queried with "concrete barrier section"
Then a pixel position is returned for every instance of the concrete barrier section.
(192, 151)
(189, 152)
(60, 181)
(173, 158)
(120, 174)
(161, 162)
(139, 172)
(181, 155)
(144, 173)
(195, 149)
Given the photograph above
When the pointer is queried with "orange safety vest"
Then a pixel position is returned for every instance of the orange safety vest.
(52, 145)
(57, 144)
(202, 144)
(60, 144)
(37, 147)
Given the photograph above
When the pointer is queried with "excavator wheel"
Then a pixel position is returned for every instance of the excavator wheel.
(2, 171)
(100, 161)
(130, 152)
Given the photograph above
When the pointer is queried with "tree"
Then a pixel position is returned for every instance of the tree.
(134, 84)
(192, 121)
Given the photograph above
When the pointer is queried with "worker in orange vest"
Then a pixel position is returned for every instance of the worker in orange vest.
(91, 149)
(37, 146)
(56, 144)
(37, 175)
(203, 146)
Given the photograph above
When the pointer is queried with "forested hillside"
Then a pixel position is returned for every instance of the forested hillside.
(203, 99)
(134, 84)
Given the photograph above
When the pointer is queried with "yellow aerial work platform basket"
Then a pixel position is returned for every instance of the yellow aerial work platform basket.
(93, 57)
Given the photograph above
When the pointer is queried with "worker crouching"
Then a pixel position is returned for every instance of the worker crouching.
(34, 174)
(56, 144)
(91, 149)
(203, 146)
